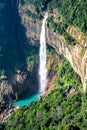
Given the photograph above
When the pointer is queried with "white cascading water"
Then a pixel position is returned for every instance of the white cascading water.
(42, 55)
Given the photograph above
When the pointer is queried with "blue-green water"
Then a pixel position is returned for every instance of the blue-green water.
(27, 101)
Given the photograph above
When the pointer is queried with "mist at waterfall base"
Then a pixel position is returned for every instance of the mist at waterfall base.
(42, 71)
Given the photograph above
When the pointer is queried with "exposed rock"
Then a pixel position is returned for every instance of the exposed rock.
(6, 114)
(76, 33)
(18, 86)
(73, 53)
(70, 90)
(18, 79)
(33, 29)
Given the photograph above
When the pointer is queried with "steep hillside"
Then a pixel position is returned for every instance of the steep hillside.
(18, 64)
(65, 31)
(62, 109)
(21, 27)
(65, 107)
(18, 55)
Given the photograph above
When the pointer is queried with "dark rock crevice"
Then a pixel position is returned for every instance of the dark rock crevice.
(13, 43)
(76, 55)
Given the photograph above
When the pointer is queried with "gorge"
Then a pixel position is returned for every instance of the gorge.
(20, 76)
(64, 105)
(72, 53)
(42, 71)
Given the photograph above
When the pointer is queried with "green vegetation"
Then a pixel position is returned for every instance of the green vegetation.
(65, 78)
(74, 12)
(33, 15)
(51, 51)
(15, 52)
(65, 107)
(68, 12)
(60, 28)
(31, 54)
(60, 110)
(2, 72)
(83, 51)
(40, 6)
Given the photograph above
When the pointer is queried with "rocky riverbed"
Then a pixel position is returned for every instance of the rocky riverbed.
(6, 114)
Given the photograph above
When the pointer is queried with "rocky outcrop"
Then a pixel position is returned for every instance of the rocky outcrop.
(19, 82)
(17, 78)
(79, 36)
(76, 55)
(18, 85)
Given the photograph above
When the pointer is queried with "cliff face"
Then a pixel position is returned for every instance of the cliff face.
(17, 78)
(76, 55)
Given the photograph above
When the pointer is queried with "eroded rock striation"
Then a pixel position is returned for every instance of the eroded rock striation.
(17, 78)
(16, 82)
(76, 55)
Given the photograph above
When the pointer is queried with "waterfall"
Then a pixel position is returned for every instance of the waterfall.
(42, 56)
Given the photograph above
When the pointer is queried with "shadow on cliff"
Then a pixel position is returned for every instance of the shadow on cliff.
(13, 51)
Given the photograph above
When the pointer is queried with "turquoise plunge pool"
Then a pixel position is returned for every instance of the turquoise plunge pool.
(27, 101)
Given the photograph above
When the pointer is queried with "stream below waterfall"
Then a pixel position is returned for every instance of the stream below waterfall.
(27, 101)
(42, 70)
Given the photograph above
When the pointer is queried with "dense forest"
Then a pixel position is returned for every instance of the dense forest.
(68, 12)
(65, 107)
(73, 12)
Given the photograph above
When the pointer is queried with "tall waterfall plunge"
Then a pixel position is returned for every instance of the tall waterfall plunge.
(42, 55)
